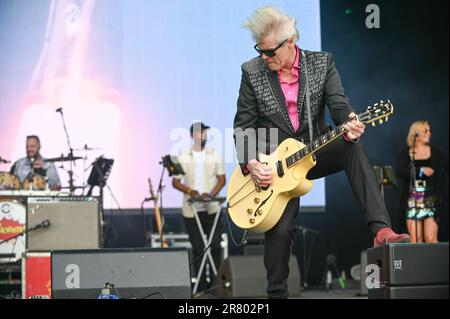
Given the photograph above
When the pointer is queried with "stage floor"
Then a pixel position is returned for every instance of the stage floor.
(316, 293)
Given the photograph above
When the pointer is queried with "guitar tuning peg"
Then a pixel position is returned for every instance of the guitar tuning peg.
(380, 121)
(387, 119)
(373, 124)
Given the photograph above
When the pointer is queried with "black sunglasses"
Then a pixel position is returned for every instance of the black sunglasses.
(269, 52)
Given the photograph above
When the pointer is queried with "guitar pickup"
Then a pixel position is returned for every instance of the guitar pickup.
(280, 169)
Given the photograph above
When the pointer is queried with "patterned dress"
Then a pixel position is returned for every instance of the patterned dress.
(421, 200)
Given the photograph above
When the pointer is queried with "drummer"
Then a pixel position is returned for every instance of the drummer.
(35, 164)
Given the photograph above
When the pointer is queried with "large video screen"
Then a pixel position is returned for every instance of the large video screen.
(129, 76)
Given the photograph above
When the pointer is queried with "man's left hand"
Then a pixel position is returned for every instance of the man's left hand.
(206, 196)
(355, 129)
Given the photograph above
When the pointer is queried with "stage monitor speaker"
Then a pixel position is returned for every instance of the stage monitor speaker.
(411, 264)
(134, 272)
(410, 292)
(245, 277)
(409, 271)
(74, 223)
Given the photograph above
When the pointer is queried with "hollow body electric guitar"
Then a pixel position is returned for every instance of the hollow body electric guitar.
(159, 220)
(259, 209)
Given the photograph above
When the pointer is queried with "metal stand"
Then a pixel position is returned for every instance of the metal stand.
(412, 185)
(385, 177)
(207, 240)
(327, 275)
(70, 155)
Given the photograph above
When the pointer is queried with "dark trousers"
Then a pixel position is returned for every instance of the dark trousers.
(196, 240)
(336, 156)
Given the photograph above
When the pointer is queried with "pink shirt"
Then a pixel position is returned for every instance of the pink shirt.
(290, 91)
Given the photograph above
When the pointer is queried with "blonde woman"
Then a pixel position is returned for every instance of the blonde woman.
(423, 171)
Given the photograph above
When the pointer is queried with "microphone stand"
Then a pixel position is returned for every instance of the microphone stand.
(31, 174)
(71, 161)
(412, 184)
(26, 231)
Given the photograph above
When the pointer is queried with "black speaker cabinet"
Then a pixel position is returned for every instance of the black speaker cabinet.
(411, 264)
(74, 223)
(409, 270)
(410, 292)
(135, 272)
(245, 277)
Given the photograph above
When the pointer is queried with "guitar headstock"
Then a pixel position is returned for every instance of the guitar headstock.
(377, 113)
(150, 187)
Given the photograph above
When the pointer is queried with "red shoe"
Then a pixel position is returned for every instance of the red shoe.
(387, 236)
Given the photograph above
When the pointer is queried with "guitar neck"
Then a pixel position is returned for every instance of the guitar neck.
(378, 112)
(315, 145)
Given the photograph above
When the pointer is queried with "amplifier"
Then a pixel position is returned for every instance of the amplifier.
(74, 223)
(134, 272)
(411, 264)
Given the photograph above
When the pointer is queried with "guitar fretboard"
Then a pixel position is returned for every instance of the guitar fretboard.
(315, 145)
(380, 111)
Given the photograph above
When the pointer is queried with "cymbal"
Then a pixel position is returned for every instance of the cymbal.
(63, 159)
(87, 148)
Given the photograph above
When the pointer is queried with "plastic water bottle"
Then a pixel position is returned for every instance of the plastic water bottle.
(106, 293)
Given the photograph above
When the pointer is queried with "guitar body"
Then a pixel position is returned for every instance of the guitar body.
(256, 209)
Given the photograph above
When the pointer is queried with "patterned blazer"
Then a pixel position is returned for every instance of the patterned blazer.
(261, 106)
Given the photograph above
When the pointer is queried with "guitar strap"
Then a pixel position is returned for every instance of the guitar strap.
(308, 101)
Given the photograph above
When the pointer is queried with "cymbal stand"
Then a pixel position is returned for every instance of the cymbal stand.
(70, 155)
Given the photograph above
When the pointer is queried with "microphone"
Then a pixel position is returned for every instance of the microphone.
(32, 159)
(44, 224)
(59, 110)
(2, 160)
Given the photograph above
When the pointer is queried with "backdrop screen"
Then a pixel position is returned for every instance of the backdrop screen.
(130, 77)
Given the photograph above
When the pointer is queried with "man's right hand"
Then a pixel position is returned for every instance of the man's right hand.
(261, 174)
(194, 194)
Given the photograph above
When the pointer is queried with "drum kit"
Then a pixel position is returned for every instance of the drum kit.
(13, 206)
(36, 182)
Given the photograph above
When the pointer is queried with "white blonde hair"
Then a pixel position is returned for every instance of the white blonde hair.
(414, 129)
(267, 20)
